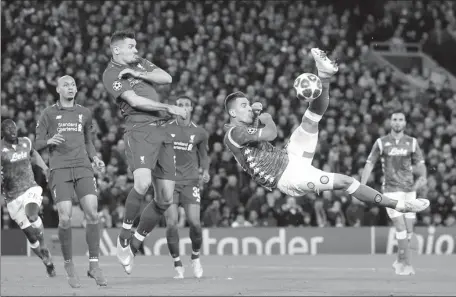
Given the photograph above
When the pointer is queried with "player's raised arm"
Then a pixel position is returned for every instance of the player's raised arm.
(152, 74)
(420, 166)
(371, 160)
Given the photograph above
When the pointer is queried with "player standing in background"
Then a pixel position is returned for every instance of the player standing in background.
(190, 147)
(398, 152)
(66, 128)
(129, 79)
(22, 194)
(290, 170)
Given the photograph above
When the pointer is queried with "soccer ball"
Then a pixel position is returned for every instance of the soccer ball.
(308, 87)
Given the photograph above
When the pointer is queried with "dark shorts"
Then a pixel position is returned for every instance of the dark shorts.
(186, 194)
(152, 148)
(64, 183)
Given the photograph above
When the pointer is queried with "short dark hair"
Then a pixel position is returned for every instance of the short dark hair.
(396, 111)
(185, 97)
(121, 35)
(6, 123)
(231, 98)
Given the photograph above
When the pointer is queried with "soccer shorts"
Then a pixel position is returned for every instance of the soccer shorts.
(65, 182)
(406, 196)
(300, 177)
(186, 194)
(152, 149)
(16, 208)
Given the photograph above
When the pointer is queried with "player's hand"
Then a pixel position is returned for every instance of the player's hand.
(179, 111)
(265, 117)
(127, 71)
(206, 176)
(99, 163)
(257, 107)
(57, 139)
(46, 173)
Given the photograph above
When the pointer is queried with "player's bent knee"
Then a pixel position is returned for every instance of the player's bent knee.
(164, 190)
(410, 215)
(91, 216)
(64, 222)
(32, 218)
(401, 234)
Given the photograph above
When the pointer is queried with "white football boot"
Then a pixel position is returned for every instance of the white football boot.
(179, 272)
(125, 256)
(326, 67)
(416, 205)
(197, 268)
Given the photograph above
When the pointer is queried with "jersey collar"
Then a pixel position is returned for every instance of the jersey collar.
(60, 107)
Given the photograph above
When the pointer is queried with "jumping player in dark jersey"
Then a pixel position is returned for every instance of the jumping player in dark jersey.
(398, 152)
(19, 189)
(66, 129)
(190, 147)
(290, 169)
(130, 79)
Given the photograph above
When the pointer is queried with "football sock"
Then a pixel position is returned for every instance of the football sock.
(93, 242)
(32, 238)
(172, 238)
(147, 222)
(403, 251)
(177, 262)
(65, 238)
(196, 236)
(320, 104)
(132, 207)
(39, 231)
(367, 194)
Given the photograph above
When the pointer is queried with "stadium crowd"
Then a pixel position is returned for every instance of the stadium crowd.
(212, 49)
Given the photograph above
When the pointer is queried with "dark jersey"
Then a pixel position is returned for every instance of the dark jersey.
(260, 159)
(75, 125)
(397, 157)
(115, 87)
(17, 173)
(190, 147)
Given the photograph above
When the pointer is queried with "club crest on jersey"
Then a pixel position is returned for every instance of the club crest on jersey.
(252, 130)
(80, 118)
(117, 86)
(192, 138)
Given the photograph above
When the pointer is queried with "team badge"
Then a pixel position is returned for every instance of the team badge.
(117, 85)
(251, 130)
(80, 118)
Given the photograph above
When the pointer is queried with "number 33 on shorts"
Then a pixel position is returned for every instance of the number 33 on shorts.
(196, 194)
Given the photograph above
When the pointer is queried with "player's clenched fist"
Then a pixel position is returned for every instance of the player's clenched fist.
(99, 163)
(128, 71)
(176, 110)
(56, 139)
(265, 117)
(257, 107)
(206, 176)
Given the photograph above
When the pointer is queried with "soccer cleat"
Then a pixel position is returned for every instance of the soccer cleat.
(73, 279)
(197, 268)
(179, 272)
(97, 274)
(397, 266)
(47, 261)
(406, 270)
(416, 205)
(125, 256)
(326, 67)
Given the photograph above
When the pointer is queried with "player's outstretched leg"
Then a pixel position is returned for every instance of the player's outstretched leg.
(172, 238)
(89, 204)
(64, 209)
(369, 195)
(196, 236)
(32, 210)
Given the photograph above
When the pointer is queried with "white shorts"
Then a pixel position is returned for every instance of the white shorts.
(406, 196)
(300, 177)
(16, 208)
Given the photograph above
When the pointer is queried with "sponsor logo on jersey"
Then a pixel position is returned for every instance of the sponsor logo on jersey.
(18, 157)
(59, 117)
(398, 152)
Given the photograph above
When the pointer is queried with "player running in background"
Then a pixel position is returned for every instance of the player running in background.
(190, 147)
(398, 152)
(66, 128)
(290, 169)
(130, 80)
(22, 194)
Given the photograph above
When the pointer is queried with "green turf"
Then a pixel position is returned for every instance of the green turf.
(240, 275)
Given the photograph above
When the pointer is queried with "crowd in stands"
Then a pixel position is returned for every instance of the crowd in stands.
(212, 49)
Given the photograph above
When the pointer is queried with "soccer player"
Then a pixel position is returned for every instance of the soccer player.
(65, 128)
(22, 194)
(130, 79)
(190, 147)
(398, 152)
(290, 169)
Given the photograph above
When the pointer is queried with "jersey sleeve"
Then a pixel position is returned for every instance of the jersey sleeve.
(113, 85)
(149, 65)
(30, 144)
(203, 148)
(417, 154)
(375, 152)
(42, 127)
(243, 135)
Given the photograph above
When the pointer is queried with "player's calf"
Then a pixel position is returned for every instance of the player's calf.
(196, 236)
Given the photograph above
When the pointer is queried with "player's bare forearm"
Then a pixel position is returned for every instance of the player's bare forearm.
(422, 176)
(38, 161)
(142, 103)
(157, 76)
(366, 172)
(90, 147)
(269, 131)
(203, 156)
